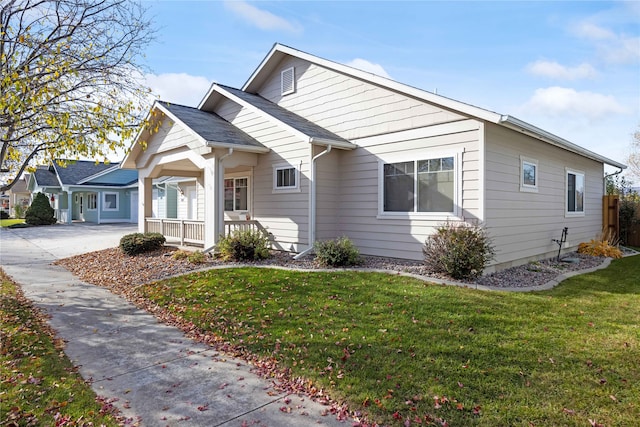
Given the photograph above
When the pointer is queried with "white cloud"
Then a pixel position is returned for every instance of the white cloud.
(612, 47)
(261, 18)
(592, 31)
(558, 71)
(179, 88)
(555, 100)
(364, 65)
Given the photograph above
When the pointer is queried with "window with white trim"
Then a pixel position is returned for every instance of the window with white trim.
(428, 186)
(236, 194)
(287, 81)
(575, 193)
(110, 201)
(528, 174)
(92, 201)
(285, 178)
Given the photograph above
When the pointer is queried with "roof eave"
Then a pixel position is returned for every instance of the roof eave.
(531, 130)
(237, 147)
(334, 143)
(99, 174)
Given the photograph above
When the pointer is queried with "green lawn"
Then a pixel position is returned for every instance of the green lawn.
(8, 222)
(402, 351)
(38, 384)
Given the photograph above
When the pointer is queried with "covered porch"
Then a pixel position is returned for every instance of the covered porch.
(211, 166)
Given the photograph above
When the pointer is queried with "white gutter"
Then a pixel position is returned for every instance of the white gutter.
(312, 203)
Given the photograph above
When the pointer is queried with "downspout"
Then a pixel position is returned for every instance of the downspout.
(604, 182)
(312, 203)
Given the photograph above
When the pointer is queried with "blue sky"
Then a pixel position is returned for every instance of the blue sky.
(569, 67)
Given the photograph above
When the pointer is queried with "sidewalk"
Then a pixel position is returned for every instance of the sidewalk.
(154, 374)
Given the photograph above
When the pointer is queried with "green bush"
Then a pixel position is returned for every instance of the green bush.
(340, 252)
(18, 211)
(40, 212)
(244, 245)
(196, 257)
(459, 250)
(137, 243)
(4, 215)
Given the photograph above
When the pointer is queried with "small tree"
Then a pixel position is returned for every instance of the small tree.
(40, 212)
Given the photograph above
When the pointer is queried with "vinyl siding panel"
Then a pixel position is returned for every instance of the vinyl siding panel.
(284, 214)
(350, 107)
(523, 224)
(358, 216)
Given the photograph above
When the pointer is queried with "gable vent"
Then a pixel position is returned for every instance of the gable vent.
(287, 81)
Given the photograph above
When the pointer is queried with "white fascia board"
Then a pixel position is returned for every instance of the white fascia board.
(331, 142)
(177, 120)
(206, 97)
(529, 129)
(243, 148)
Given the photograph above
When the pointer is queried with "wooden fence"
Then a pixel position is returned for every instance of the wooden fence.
(611, 215)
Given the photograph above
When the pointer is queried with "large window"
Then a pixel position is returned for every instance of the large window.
(285, 177)
(575, 193)
(420, 186)
(236, 191)
(110, 201)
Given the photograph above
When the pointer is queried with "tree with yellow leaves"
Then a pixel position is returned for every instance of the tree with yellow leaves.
(70, 83)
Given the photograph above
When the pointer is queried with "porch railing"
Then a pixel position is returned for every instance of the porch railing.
(192, 231)
(186, 230)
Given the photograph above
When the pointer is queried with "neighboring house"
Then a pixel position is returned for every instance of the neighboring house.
(19, 195)
(88, 191)
(311, 149)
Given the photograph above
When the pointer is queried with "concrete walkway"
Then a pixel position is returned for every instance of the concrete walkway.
(152, 372)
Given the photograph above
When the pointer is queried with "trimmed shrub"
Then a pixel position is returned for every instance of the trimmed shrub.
(244, 245)
(340, 252)
(40, 212)
(460, 250)
(196, 257)
(4, 215)
(18, 211)
(137, 243)
(599, 248)
(180, 255)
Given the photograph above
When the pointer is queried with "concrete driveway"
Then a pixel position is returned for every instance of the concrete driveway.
(153, 373)
(65, 240)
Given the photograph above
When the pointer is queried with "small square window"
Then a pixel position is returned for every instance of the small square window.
(110, 201)
(528, 174)
(285, 178)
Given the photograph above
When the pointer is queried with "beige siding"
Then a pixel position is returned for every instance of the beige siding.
(358, 215)
(286, 215)
(170, 136)
(350, 107)
(523, 224)
(327, 189)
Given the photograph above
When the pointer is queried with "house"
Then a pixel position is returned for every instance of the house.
(309, 149)
(90, 191)
(18, 195)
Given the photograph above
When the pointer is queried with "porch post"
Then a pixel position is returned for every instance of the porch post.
(69, 206)
(145, 192)
(212, 206)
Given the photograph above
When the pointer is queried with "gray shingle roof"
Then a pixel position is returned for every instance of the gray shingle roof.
(211, 127)
(46, 177)
(78, 170)
(295, 121)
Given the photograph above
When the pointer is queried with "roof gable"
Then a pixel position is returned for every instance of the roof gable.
(278, 53)
(304, 128)
(45, 176)
(76, 171)
(211, 128)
